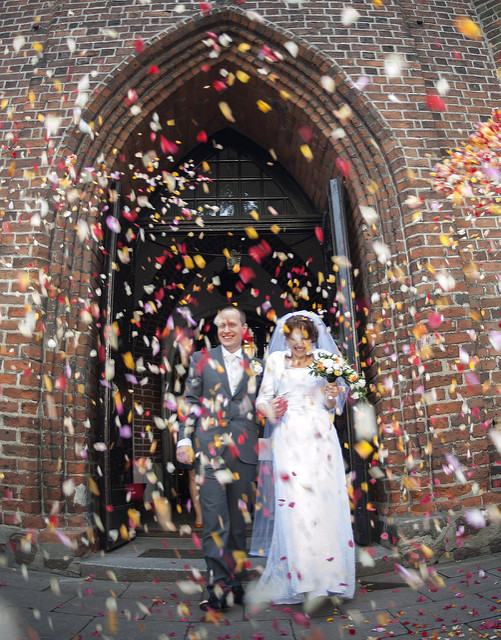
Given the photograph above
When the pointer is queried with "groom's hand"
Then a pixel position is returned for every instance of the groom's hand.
(185, 454)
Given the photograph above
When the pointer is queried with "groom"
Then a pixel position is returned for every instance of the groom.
(221, 431)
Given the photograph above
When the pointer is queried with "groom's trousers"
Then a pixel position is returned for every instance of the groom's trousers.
(224, 529)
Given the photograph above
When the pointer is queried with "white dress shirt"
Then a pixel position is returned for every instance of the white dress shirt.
(233, 366)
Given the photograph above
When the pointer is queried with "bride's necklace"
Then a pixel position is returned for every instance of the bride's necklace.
(295, 363)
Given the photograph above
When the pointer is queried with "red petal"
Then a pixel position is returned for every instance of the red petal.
(219, 85)
(319, 233)
(167, 146)
(305, 133)
(435, 102)
(344, 166)
(246, 274)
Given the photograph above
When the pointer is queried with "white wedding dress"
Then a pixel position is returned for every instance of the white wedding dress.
(312, 550)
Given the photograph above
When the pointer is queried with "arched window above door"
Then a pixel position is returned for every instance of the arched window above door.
(245, 186)
(246, 182)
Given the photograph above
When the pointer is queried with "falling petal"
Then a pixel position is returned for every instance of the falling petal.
(435, 320)
(328, 84)
(18, 43)
(306, 151)
(361, 83)
(263, 106)
(442, 87)
(382, 251)
(394, 64)
(435, 102)
(369, 215)
(292, 48)
(495, 340)
(475, 518)
(445, 281)
(349, 15)
(226, 111)
(468, 28)
(113, 224)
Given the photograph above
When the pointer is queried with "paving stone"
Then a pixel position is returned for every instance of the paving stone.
(486, 562)
(459, 585)
(268, 612)
(52, 625)
(489, 628)
(34, 579)
(164, 590)
(96, 606)
(245, 630)
(386, 598)
(43, 600)
(76, 586)
(434, 615)
(495, 571)
(493, 596)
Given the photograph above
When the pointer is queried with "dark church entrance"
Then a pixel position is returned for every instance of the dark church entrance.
(247, 235)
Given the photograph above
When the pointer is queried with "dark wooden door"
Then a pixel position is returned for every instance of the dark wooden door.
(347, 339)
(115, 471)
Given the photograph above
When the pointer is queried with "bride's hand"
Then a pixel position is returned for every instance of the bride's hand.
(331, 390)
(279, 406)
(274, 409)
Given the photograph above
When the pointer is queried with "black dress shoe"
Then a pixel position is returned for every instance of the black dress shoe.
(238, 594)
(213, 603)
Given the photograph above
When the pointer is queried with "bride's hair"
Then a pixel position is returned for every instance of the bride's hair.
(304, 324)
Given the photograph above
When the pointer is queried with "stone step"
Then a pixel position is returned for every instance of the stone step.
(169, 559)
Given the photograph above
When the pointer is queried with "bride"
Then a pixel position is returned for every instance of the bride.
(305, 528)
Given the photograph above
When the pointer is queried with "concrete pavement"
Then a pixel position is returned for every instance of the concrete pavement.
(457, 600)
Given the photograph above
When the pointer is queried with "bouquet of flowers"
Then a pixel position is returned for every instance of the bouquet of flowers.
(332, 366)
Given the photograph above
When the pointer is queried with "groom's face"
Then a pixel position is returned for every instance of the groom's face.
(230, 329)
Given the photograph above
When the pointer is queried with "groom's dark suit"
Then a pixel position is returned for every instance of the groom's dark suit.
(223, 429)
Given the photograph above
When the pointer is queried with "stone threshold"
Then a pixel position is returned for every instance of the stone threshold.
(169, 559)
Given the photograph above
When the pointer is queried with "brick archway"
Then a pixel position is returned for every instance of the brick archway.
(180, 90)
(175, 89)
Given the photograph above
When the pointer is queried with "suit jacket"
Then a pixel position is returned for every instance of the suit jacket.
(215, 413)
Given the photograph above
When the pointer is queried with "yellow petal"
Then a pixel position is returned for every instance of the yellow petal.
(242, 76)
(363, 448)
(306, 151)
(468, 28)
(93, 486)
(263, 106)
(251, 233)
(226, 111)
(128, 360)
(199, 261)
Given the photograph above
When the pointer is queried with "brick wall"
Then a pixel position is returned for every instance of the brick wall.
(60, 53)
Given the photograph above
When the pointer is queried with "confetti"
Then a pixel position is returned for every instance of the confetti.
(349, 16)
(226, 111)
(435, 102)
(468, 28)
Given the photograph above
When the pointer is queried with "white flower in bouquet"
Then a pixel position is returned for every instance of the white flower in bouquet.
(332, 366)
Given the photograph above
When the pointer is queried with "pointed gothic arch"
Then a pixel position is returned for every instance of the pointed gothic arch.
(294, 110)
(181, 86)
